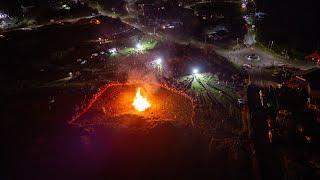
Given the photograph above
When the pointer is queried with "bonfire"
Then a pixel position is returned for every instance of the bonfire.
(140, 103)
(122, 105)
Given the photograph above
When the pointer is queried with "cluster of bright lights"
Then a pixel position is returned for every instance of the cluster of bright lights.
(113, 50)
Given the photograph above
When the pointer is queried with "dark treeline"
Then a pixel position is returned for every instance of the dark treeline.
(292, 24)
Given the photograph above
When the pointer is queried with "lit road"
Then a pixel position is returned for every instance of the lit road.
(239, 57)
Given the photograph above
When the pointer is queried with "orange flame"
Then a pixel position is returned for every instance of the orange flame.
(140, 103)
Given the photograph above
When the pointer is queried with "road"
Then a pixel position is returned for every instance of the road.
(239, 57)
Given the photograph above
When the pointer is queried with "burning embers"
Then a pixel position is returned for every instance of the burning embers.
(140, 103)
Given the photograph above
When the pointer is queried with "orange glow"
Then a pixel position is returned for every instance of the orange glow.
(140, 103)
(95, 21)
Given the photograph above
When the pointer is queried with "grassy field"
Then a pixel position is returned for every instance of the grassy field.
(217, 101)
(145, 45)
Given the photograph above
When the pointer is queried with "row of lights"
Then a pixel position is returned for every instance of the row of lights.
(158, 61)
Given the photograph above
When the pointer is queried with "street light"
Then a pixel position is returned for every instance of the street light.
(195, 71)
(158, 64)
(138, 46)
(158, 61)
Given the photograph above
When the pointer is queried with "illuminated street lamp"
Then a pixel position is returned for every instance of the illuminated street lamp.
(158, 61)
(195, 71)
(158, 64)
(139, 46)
